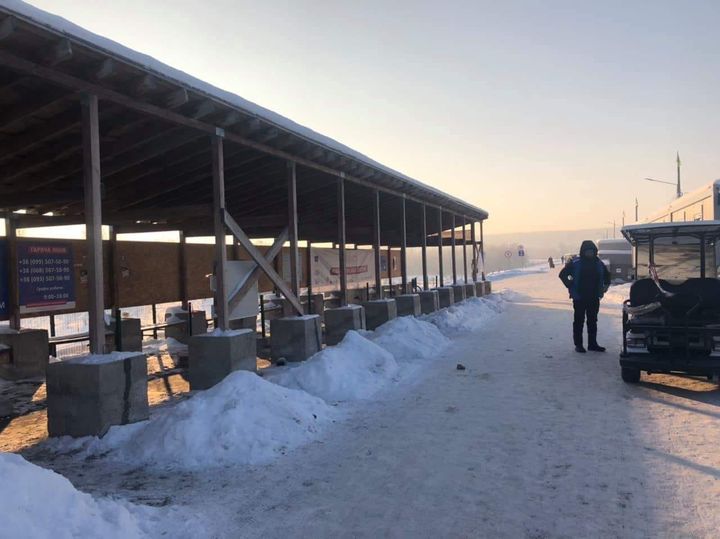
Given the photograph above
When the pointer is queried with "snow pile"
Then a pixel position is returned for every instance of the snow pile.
(242, 420)
(40, 503)
(408, 338)
(354, 369)
(468, 315)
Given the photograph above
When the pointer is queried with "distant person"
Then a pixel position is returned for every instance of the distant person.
(551, 262)
(562, 259)
(587, 279)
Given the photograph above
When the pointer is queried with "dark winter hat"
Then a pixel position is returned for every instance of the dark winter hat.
(588, 244)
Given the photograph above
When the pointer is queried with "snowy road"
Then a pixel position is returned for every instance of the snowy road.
(532, 440)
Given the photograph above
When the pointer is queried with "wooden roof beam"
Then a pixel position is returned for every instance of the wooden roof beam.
(69, 81)
(106, 70)
(8, 26)
(62, 51)
(35, 106)
(177, 98)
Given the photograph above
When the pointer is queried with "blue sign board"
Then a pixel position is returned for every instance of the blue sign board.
(4, 281)
(46, 278)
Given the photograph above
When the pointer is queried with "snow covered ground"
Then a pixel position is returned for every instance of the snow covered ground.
(39, 503)
(501, 275)
(530, 440)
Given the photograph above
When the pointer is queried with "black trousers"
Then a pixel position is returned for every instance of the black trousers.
(585, 309)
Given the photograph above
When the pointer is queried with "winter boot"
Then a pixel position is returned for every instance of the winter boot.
(593, 346)
(580, 348)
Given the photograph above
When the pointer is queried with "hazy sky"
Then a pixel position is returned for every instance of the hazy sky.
(545, 113)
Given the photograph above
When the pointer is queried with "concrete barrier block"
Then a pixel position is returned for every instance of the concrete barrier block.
(131, 336)
(429, 301)
(212, 356)
(446, 296)
(379, 311)
(248, 322)
(469, 290)
(340, 320)
(179, 332)
(295, 338)
(479, 288)
(27, 353)
(408, 305)
(458, 292)
(86, 395)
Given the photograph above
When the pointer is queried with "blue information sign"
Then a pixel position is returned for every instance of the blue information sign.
(4, 281)
(46, 280)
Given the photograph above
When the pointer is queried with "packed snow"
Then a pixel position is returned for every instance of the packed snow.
(242, 420)
(40, 503)
(356, 368)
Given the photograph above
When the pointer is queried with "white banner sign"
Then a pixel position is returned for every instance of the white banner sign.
(359, 267)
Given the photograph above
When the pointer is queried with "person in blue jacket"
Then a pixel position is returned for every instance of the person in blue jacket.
(587, 279)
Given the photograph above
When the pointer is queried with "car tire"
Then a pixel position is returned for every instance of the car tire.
(630, 375)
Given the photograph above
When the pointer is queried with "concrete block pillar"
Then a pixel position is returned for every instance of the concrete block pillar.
(249, 322)
(446, 296)
(215, 355)
(408, 305)
(179, 331)
(26, 353)
(458, 292)
(86, 395)
(488, 287)
(379, 311)
(295, 338)
(341, 320)
(131, 336)
(469, 290)
(479, 288)
(429, 301)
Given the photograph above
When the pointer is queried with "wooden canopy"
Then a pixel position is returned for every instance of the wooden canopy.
(156, 126)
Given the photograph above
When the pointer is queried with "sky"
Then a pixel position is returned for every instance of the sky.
(548, 114)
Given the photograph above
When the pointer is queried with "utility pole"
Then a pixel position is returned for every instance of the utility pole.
(679, 190)
(636, 209)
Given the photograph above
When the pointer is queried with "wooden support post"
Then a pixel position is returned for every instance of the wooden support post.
(440, 247)
(308, 276)
(13, 282)
(426, 283)
(182, 270)
(218, 172)
(389, 267)
(93, 222)
(453, 244)
(403, 249)
(376, 243)
(341, 241)
(464, 239)
(475, 252)
(114, 270)
(482, 251)
(293, 230)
